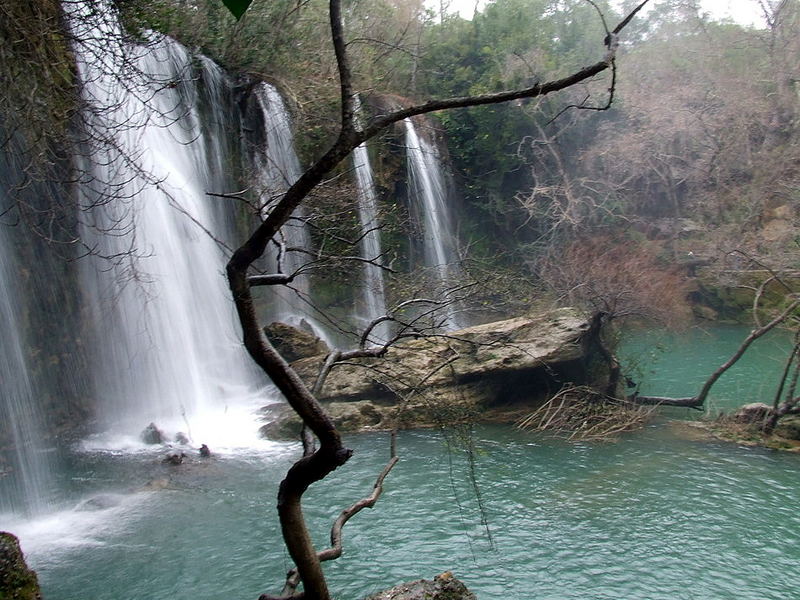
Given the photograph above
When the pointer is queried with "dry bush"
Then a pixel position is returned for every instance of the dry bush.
(621, 278)
(581, 413)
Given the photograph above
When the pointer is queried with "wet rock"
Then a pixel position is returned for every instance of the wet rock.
(443, 587)
(294, 343)
(354, 416)
(363, 415)
(492, 372)
(152, 435)
(17, 581)
(181, 438)
(455, 367)
(707, 313)
(285, 427)
(173, 458)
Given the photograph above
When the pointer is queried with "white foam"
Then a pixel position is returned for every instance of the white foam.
(88, 523)
(230, 428)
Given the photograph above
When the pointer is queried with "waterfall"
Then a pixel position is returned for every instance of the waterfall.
(219, 117)
(167, 348)
(429, 196)
(373, 292)
(277, 168)
(28, 474)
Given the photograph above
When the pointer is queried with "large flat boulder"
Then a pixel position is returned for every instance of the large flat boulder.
(490, 371)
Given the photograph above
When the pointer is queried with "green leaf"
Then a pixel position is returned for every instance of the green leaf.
(237, 7)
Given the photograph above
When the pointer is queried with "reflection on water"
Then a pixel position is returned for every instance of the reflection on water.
(650, 517)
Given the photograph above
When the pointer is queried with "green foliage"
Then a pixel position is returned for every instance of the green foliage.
(514, 43)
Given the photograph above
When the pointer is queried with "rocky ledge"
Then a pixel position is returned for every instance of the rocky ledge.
(496, 371)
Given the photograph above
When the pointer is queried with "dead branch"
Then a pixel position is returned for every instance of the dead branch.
(582, 413)
(692, 402)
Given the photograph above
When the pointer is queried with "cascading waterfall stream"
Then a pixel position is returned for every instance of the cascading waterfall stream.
(277, 168)
(167, 349)
(429, 193)
(373, 294)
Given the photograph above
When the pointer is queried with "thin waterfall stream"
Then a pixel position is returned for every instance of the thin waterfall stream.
(429, 194)
(30, 471)
(373, 292)
(277, 167)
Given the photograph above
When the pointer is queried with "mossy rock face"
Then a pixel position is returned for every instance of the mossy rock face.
(17, 581)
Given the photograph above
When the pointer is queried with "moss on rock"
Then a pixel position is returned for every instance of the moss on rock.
(443, 587)
(17, 581)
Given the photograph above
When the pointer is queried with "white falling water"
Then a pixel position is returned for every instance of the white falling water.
(373, 292)
(277, 168)
(26, 487)
(429, 192)
(168, 349)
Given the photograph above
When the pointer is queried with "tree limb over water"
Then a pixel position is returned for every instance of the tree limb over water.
(698, 402)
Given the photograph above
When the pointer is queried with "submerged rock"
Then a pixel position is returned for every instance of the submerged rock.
(99, 502)
(152, 435)
(443, 587)
(17, 581)
(173, 458)
(158, 483)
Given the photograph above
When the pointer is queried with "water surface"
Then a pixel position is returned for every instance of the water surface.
(653, 516)
(678, 364)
